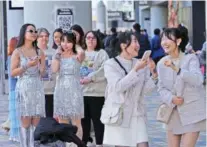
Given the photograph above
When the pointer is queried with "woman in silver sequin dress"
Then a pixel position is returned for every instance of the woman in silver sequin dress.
(68, 95)
(27, 62)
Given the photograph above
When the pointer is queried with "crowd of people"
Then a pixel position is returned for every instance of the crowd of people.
(99, 82)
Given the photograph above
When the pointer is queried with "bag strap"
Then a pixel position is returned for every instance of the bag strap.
(120, 65)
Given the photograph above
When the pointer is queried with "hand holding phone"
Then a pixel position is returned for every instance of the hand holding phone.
(146, 55)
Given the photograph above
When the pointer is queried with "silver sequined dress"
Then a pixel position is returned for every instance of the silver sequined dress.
(29, 91)
(68, 95)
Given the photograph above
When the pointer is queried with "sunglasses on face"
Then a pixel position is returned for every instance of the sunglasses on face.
(32, 31)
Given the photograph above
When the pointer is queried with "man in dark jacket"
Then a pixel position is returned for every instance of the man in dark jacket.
(143, 40)
(110, 37)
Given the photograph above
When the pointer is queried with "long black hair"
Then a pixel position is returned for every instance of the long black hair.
(70, 36)
(59, 30)
(22, 33)
(78, 29)
(98, 45)
(177, 33)
(125, 37)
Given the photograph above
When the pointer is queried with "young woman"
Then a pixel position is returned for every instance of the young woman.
(180, 86)
(94, 84)
(130, 78)
(28, 63)
(68, 95)
(48, 78)
(56, 38)
(79, 36)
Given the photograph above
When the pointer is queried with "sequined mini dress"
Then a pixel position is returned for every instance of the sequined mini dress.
(68, 95)
(29, 91)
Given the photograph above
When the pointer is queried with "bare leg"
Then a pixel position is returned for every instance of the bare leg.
(190, 139)
(173, 140)
(78, 124)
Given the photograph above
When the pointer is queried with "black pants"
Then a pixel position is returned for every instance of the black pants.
(49, 105)
(92, 110)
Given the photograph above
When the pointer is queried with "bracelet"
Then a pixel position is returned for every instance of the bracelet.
(178, 73)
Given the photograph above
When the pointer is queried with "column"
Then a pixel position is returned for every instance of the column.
(158, 15)
(101, 16)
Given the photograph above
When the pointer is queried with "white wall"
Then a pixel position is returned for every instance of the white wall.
(158, 17)
(15, 19)
(42, 13)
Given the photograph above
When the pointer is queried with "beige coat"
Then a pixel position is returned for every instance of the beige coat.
(132, 86)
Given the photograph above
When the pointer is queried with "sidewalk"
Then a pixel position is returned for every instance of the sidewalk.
(157, 135)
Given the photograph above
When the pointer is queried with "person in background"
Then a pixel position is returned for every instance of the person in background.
(202, 58)
(28, 62)
(180, 86)
(108, 39)
(11, 47)
(56, 38)
(48, 78)
(14, 121)
(77, 29)
(157, 50)
(94, 84)
(145, 33)
(142, 39)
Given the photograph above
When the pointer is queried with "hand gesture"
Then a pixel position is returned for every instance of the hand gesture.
(177, 100)
(33, 62)
(59, 50)
(168, 63)
(85, 80)
(140, 64)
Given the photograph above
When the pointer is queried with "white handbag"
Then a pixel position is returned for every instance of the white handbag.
(112, 115)
(164, 112)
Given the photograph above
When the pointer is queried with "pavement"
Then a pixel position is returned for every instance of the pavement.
(156, 130)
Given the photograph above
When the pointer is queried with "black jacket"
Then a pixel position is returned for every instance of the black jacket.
(49, 130)
(143, 42)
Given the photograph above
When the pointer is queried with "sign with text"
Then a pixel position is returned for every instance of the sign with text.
(64, 18)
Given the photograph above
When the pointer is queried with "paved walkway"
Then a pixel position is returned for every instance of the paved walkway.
(156, 130)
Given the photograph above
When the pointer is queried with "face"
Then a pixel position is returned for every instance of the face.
(30, 34)
(168, 45)
(43, 38)
(66, 45)
(91, 40)
(133, 48)
(57, 36)
(77, 35)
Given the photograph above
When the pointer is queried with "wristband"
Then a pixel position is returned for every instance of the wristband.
(178, 73)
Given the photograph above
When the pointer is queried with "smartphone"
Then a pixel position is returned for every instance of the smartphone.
(146, 55)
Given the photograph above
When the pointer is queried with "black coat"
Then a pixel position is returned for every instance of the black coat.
(49, 130)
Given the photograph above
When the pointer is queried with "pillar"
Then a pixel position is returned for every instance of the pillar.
(101, 16)
(158, 15)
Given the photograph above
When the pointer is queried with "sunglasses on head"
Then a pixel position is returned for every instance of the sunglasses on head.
(32, 31)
